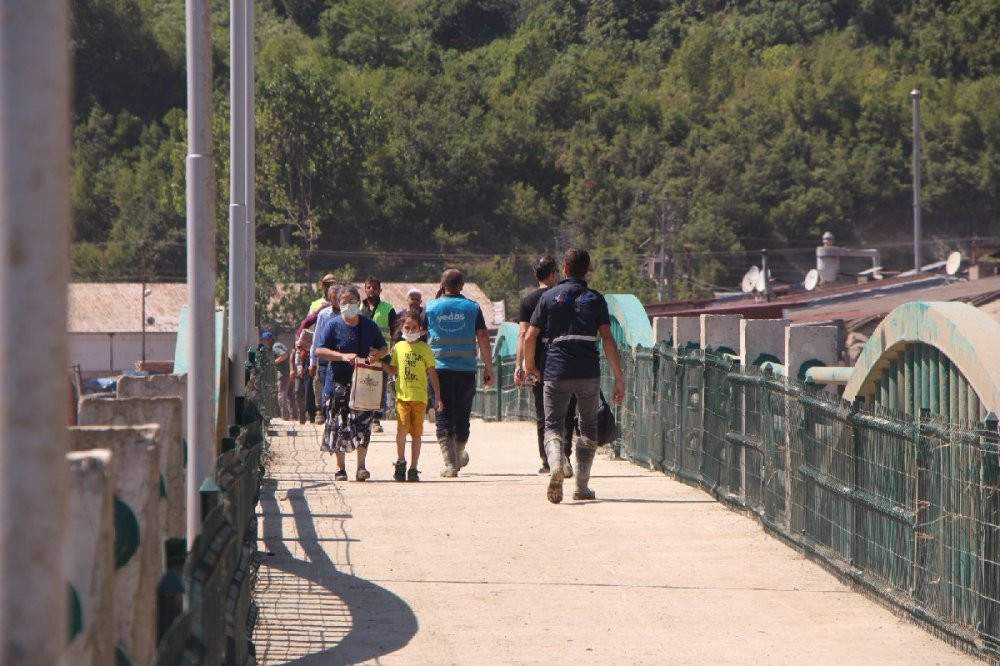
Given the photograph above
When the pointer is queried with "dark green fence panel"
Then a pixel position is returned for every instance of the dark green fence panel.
(220, 567)
(667, 410)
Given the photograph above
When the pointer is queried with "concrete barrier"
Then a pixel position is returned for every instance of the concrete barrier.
(168, 414)
(663, 329)
(88, 550)
(810, 346)
(138, 542)
(762, 340)
(157, 386)
(687, 330)
(720, 332)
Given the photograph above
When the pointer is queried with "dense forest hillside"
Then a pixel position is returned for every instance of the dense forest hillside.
(395, 134)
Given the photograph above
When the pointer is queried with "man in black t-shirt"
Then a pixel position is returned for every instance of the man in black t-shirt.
(547, 274)
(572, 318)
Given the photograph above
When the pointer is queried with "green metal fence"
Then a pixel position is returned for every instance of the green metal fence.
(908, 508)
(215, 625)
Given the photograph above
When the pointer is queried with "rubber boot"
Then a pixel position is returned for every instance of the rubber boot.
(554, 453)
(448, 455)
(463, 456)
(584, 461)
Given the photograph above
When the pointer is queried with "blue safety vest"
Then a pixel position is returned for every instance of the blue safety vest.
(451, 331)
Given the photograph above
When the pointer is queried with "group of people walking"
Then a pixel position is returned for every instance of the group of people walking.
(431, 352)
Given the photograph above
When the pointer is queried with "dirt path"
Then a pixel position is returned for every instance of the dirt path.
(483, 570)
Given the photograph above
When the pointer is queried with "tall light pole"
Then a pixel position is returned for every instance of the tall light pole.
(917, 259)
(237, 209)
(200, 260)
(251, 175)
(34, 243)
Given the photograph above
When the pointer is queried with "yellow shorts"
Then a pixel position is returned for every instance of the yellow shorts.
(410, 417)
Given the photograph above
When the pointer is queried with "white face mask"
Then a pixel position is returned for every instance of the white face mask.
(411, 337)
(350, 310)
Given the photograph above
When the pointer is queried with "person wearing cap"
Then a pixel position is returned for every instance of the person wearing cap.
(547, 274)
(573, 318)
(280, 353)
(384, 316)
(456, 328)
(317, 367)
(324, 287)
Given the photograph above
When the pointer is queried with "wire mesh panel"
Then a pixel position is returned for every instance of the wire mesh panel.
(690, 413)
(988, 595)
(775, 448)
(823, 481)
(668, 378)
(947, 565)
(748, 434)
(718, 405)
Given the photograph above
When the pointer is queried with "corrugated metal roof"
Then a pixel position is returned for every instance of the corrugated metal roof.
(974, 291)
(395, 293)
(116, 307)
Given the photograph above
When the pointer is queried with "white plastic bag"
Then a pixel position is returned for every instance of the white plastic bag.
(366, 389)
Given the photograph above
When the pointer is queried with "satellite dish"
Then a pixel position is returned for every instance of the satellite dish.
(812, 279)
(749, 280)
(953, 263)
(760, 284)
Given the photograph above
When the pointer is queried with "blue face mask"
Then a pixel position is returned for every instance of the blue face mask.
(350, 310)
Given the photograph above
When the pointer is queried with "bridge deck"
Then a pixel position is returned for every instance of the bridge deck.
(482, 569)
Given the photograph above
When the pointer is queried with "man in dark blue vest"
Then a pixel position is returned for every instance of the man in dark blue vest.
(455, 329)
(572, 318)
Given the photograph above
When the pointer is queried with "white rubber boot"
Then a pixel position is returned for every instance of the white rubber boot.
(463, 455)
(554, 453)
(448, 455)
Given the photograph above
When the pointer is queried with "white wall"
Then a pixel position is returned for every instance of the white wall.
(100, 354)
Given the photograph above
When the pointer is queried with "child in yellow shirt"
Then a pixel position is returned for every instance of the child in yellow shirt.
(412, 362)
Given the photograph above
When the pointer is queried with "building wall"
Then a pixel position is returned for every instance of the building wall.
(101, 354)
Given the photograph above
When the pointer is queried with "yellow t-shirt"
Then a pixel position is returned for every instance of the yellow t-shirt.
(411, 360)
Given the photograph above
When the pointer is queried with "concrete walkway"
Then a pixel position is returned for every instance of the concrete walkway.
(483, 570)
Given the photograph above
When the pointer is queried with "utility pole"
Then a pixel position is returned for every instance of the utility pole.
(35, 135)
(251, 177)
(200, 261)
(917, 259)
(237, 210)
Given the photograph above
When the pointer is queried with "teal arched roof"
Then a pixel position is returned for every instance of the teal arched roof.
(632, 318)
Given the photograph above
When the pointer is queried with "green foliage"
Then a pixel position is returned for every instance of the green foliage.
(466, 24)
(117, 62)
(416, 128)
(312, 142)
(280, 300)
(498, 279)
(368, 33)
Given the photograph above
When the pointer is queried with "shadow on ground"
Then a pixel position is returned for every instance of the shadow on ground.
(375, 621)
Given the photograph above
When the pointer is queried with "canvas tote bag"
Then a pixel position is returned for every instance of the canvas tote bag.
(366, 389)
